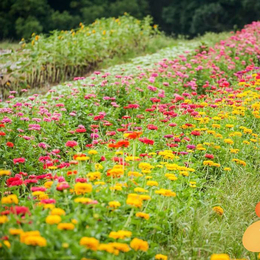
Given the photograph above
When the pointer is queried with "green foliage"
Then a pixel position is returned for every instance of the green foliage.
(25, 27)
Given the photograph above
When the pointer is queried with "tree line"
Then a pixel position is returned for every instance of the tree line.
(20, 18)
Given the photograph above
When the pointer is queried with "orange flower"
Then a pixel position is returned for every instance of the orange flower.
(133, 135)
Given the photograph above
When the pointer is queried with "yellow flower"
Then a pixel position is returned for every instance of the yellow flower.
(172, 167)
(66, 226)
(117, 171)
(83, 200)
(53, 219)
(218, 210)
(121, 234)
(131, 158)
(5, 172)
(167, 193)
(145, 166)
(14, 231)
(134, 174)
(121, 247)
(142, 215)
(48, 184)
(108, 248)
(114, 204)
(82, 188)
(92, 152)
(171, 176)
(82, 158)
(65, 245)
(145, 197)
(94, 176)
(116, 187)
(48, 206)
(228, 141)
(52, 167)
(138, 189)
(215, 125)
(161, 257)
(208, 163)
(152, 183)
(134, 200)
(90, 243)
(184, 173)
(74, 221)
(10, 199)
(3, 219)
(35, 241)
(99, 183)
(139, 244)
(229, 126)
(227, 169)
(58, 211)
(6, 243)
(219, 257)
(98, 166)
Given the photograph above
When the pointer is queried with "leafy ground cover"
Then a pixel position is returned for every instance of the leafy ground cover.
(146, 165)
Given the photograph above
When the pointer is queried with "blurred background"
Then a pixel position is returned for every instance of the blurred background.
(20, 18)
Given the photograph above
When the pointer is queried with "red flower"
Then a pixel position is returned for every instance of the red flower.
(121, 129)
(146, 141)
(152, 127)
(122, 143)
(9, 144)
(195, 133)
(18, 160)
(62, 186)
(72, 173)
(71, 144)
(112, 146)
(100, 117)
(48, 201)
(20, 210)
(14, 181)
(209, 156)
(82, 180)
(133, 135)
(102, 159)
(2, 134)
(80, 130)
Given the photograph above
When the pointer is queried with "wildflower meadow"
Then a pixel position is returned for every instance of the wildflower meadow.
(137, 162)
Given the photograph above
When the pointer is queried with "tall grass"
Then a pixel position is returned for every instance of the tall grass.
(64, 54)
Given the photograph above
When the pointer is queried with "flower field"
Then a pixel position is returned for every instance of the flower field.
(142, 165)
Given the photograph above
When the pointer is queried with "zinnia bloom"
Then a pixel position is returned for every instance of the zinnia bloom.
(71, 144)
(139, 244)
(90, 243)
(66, 226)
(53, 219)
(82, 188)
(218, 210)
